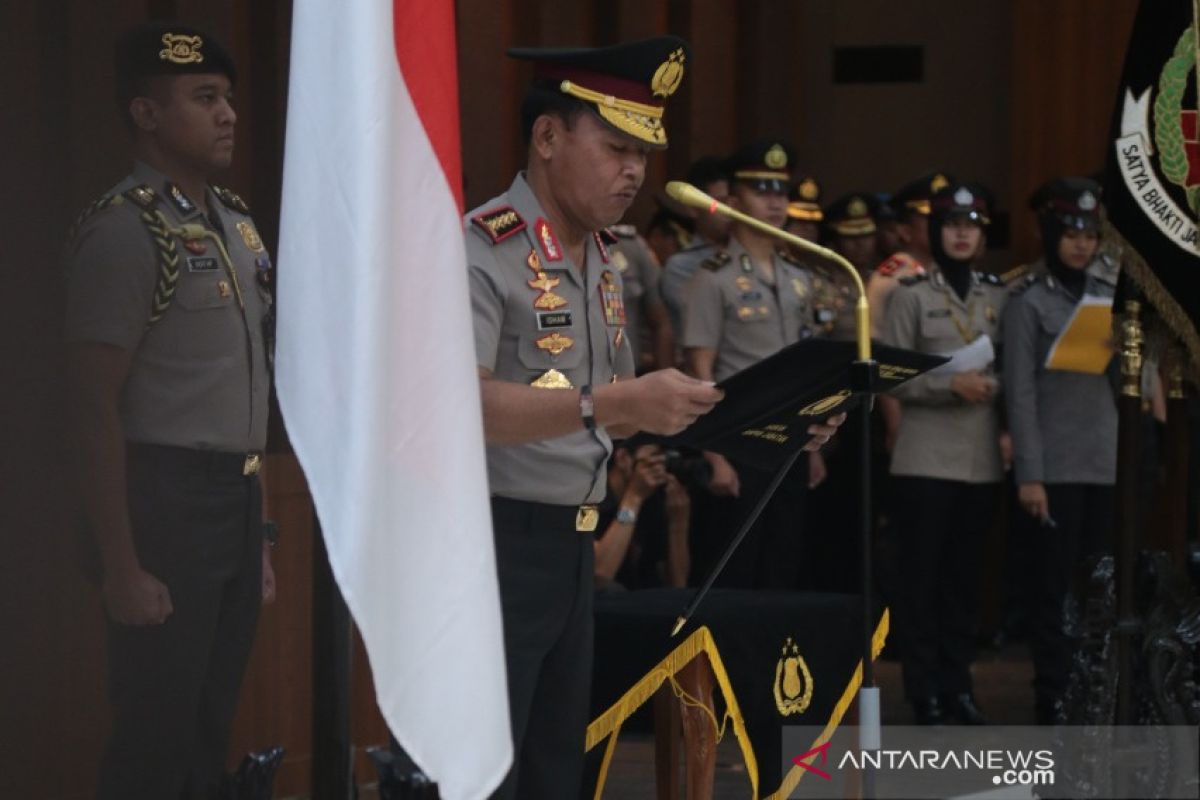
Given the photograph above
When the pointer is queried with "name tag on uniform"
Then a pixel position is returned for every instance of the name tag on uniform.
(548, 320)
(205, 264)
(938, 312)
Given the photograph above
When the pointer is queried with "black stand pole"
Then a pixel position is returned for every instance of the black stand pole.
(737, 540)
(862, 375)
(332, 770)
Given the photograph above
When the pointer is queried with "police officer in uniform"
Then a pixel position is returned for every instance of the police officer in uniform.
(947, 458)
(746, 303)
(556, 374)
(646, 322)
(168, 310)
(712, 232)
(1064, 423)
(804, 209)
(850, 223)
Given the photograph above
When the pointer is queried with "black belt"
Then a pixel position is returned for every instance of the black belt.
(216, 461)
(587, 516)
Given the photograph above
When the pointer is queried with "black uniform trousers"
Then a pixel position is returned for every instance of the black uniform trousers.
(1083, 519)
(941, 526)
(174, 687)
(770, 555)
(545, 569)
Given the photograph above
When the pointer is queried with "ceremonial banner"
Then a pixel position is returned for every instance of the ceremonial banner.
(379, 394)
(1152, 183)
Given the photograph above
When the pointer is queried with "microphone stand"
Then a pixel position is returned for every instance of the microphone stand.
(863, 374)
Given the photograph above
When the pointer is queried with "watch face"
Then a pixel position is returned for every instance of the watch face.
(626, 516)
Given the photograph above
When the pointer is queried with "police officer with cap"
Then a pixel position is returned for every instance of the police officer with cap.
(804, 209)
(1063, 422)
(167, 334)
(748, 302)
(556, 374)
(711, 233)
(947, 456)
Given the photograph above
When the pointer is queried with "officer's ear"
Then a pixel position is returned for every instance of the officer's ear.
(144, 113)
(547, 130)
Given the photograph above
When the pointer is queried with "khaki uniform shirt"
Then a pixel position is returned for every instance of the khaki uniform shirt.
(941, 435)
(1064, 424)
(731, 308)
(676, 275)
(640, 276)
(199, 376)
(540, 320)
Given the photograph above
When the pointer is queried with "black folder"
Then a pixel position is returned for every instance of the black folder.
(769, 406)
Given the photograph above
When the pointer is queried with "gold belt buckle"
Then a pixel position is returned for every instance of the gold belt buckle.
(252, 464)
(587, 518)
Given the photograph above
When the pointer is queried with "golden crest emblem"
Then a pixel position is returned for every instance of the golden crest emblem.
(809, 189)
(799, 288)
(555, 343)
(250, 236)
(181, 49)
(620, 261)
(793, 681)
(824, 405)
(551, 379)
(669, 75)
(857, 207)
(743, 283)
(776, 157)
(938, 183)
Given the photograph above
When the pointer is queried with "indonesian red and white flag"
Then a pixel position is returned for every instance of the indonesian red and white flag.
(376, 373)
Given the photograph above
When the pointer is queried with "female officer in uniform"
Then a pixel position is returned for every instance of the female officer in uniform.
(946, 461)
(1063, 421)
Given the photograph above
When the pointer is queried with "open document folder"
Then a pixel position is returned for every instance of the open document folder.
(1084, 345)
(768, 406)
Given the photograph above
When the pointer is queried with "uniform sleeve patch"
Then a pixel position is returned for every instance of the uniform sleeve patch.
(499, 223)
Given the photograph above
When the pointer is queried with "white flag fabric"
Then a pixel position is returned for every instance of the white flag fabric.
(376, 375)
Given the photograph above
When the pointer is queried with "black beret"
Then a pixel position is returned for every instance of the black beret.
(167, 48)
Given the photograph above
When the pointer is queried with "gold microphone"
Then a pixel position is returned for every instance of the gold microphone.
(691, 196)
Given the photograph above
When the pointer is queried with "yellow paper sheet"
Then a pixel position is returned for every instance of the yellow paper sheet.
(1084, 344)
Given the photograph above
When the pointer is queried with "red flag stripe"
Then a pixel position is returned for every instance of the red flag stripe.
(426, 53)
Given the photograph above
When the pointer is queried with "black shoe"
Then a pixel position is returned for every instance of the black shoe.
(963, 709)
(928, 711)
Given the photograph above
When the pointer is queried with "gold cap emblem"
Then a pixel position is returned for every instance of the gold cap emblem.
(809, 189)
(824, 405)
(776, 157)
(181, 49)
(669, 75)
(793, 681)
(939, 182)
(857, 207)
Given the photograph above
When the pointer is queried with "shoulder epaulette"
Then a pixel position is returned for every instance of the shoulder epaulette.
(620, 231)
(92, 208)
(1015, 274)
(143, 196)
(231, 199)
(716, 261)
(1020, 284)
(499, 223)
(894, 263)
(990, 278)
(912, 280)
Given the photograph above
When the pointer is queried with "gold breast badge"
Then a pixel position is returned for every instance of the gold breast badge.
(555, 343)
(552, 379)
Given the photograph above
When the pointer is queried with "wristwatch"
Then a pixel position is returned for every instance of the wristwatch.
(626, 516)
(587, 407)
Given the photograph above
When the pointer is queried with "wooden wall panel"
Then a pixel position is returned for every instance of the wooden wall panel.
(1067, 58)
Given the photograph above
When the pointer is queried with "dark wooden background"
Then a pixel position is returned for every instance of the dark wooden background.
(1031, 85)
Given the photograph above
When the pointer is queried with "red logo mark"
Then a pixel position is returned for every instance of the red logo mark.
(823, 750)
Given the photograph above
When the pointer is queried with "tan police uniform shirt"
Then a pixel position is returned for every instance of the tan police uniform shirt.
(883, 281)
(731, 308)
(199, 376)
(540, 320)
(640, 277)
(941, 435)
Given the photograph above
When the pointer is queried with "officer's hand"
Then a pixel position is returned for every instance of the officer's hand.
(677, 499)
(1006, 450)
(649, 473)
(1032, 497)
(973, 386)
(724, 481)
(667, 401)
(135, 597)
(817, 472)
(268, 576)
(823, 433)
